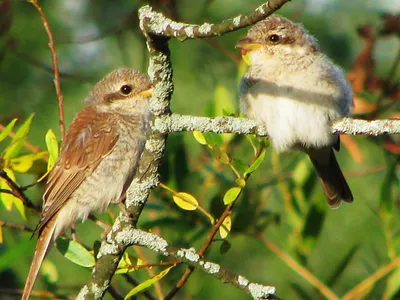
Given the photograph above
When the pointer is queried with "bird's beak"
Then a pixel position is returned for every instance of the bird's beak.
(247, 45)
(146, 93)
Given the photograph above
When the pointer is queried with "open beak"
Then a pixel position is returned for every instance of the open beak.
(146, 93)
(247, 45)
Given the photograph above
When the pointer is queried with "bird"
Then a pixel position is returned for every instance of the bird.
(295, 91)
(98, 159)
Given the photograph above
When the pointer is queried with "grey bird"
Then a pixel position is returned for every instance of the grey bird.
(296, 92)
(98, 159)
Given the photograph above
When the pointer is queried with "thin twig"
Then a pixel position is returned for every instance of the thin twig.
(17, 192)
(55, 66)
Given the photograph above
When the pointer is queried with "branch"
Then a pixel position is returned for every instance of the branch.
(178, 123)
(157, 24)
(55, 66)
(132, 236)
(17, 191)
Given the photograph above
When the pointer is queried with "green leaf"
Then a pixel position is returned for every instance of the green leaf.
(23, 163)
(18, 140)
(185, 201)
(6, 198)
(255, 164)
(75, 252)
(52, 147)
(4, 133)
(148, 283)
(231, 195)
(125, 264)
(225, 227)
(199, 136)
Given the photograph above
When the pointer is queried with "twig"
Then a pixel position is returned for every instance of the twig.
(158, 25)
(132, 236)
(55, 66)
(17, 192)
(16, 226)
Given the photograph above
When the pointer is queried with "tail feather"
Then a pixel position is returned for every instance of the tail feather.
(331, 177)
(45, 240)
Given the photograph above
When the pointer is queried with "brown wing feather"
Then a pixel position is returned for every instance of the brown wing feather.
(90, 137)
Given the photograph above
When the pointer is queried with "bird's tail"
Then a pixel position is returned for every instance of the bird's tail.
(45, 240)
(331, 177)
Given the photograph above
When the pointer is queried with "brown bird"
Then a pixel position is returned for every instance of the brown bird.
(296, 92)
(98, 158)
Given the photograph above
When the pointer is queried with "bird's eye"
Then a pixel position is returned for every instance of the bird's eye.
(126, 89)
(274, 38)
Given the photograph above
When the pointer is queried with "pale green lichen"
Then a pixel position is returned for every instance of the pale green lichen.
(205, 28)
(259, 291)
(209, 267)
(243, 281)
(190, 254)
(236, 20)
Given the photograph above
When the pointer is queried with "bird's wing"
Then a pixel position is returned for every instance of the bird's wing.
(91, 136)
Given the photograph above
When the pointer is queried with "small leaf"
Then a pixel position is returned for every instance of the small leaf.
(255, 164)
(199, 136)
(18, 140)
(23, 163)
(6, 198)
(148, 283)
(225, 227)
(4, 133)
(185, 201)
(231, 195)
(1, 234)
(125, 264)
(49, 270)
(52, 147)
(75, 252)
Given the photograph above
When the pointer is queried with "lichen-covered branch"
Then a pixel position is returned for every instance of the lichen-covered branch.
(178, 123)
(132, 236)
(112, 249)
(157, 24)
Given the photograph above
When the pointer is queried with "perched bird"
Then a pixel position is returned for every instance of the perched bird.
(99, 157)
(296, 92)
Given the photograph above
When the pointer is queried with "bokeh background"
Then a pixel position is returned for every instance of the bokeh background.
(282, 206)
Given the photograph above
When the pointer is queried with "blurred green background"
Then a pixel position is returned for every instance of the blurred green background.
(282, 200)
